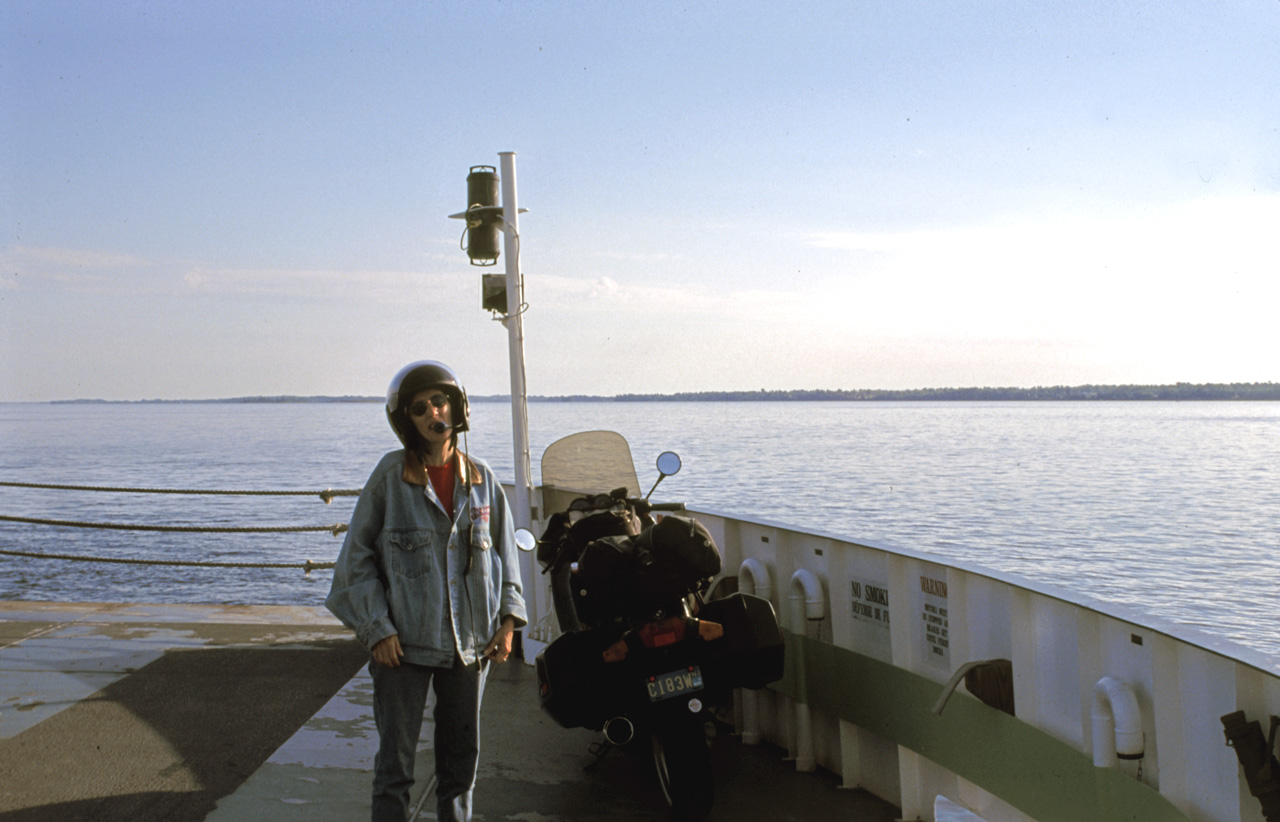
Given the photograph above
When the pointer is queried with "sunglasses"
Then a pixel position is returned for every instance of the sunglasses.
(418, 409)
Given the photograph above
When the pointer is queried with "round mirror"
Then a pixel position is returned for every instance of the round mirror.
(525, 540)
(668, 463)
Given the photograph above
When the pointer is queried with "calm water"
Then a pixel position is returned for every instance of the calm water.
(1171, 508)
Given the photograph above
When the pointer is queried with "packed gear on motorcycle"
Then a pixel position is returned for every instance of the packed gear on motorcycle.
(575, 686)
(642, 647)
(751, 652)
(587, 519)
(683, 545)
(625, 575)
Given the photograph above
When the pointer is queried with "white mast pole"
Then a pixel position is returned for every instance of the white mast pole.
(515, 339)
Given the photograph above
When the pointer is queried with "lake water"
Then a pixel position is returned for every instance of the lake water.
(1169, 508)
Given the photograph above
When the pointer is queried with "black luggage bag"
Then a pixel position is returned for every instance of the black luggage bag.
(750, 655)
(575, 685)
(626, 576)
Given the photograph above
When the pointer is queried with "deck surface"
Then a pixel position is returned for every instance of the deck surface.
(242, 713)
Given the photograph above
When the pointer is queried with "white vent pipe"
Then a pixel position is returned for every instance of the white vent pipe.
(753, 579)
(807, 604)
(1117, 723)
(806, 592)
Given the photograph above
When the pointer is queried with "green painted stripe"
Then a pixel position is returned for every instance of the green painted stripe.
(1038, 774)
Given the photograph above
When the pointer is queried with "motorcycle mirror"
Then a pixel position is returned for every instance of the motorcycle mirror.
(668, 464)
(525, 540)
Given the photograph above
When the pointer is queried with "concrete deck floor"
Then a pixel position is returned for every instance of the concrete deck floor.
(240, 713)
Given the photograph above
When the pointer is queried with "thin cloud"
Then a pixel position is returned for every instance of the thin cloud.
(638, 257)
(381, 286)
(86, 270)
(110, 272)
(43, 258)
(607, 294)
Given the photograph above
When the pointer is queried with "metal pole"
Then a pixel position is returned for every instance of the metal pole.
(515, 338)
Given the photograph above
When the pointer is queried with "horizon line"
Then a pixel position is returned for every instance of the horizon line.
(1088, 391)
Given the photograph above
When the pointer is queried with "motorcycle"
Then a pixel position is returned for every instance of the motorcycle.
(648, 651)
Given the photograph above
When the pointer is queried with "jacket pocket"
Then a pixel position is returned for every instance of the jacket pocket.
(481, 539)
(410, 553)
(490, 562)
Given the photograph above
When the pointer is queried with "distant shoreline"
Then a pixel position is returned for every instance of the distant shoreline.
(1058, 393)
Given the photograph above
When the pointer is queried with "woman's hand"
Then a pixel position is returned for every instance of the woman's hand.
(499, 648)
(387, 651)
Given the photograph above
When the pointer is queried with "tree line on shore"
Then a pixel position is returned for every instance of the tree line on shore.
(1177, 391)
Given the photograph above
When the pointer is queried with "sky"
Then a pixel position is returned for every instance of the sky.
(206, 200)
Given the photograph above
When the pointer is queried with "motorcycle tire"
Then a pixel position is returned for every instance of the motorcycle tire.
(682, 758)
(562, 599)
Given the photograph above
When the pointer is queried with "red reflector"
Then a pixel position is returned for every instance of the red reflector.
(616, 652)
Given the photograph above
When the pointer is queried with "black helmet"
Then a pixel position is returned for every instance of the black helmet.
(419, 376)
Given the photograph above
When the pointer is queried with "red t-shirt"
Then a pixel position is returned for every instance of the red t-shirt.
(442, 480)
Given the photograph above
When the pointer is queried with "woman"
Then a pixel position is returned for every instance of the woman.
(428, 578)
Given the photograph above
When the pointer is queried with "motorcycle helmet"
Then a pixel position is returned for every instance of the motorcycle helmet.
(419, 376)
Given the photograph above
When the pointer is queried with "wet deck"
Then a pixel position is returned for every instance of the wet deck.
(180, 712)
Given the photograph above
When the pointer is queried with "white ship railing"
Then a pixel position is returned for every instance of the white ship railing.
(862, 685)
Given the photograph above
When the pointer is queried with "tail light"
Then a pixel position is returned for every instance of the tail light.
(709, 630)
(663, 633)
(673, 630)
(660, 634)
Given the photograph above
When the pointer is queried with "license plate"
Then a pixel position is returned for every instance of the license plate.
(676, 683)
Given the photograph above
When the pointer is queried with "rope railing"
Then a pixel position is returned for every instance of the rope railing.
(336, 529)
(308, 565)
(327, 495)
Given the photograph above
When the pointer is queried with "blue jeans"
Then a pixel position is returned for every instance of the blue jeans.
(399, 700)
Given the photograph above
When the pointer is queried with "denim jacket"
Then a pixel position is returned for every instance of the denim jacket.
(402, 568)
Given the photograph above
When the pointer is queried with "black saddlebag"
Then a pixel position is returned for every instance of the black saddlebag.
(750, 654)
(630, 576)
(575, 685)
(684, 547)
(604, 586)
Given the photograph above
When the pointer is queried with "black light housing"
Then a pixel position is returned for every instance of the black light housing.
(482, 215)
(493, 295)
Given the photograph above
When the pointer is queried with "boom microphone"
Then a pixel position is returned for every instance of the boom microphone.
(439, 427)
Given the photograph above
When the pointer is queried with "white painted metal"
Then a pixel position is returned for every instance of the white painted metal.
(753, 579)
(1061, 644)
(806, 604)
(1117, 723)
(515, 341)
(806, 595)
(944, 810)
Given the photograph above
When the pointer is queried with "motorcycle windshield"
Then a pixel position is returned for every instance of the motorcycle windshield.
(592, 462)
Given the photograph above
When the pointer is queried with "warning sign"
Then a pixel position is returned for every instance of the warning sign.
(933, 616)
(871, 602)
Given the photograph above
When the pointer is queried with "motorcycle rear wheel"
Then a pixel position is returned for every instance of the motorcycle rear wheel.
(562, 598)
(682, 758)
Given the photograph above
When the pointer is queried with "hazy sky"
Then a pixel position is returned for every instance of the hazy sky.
(235, 198)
